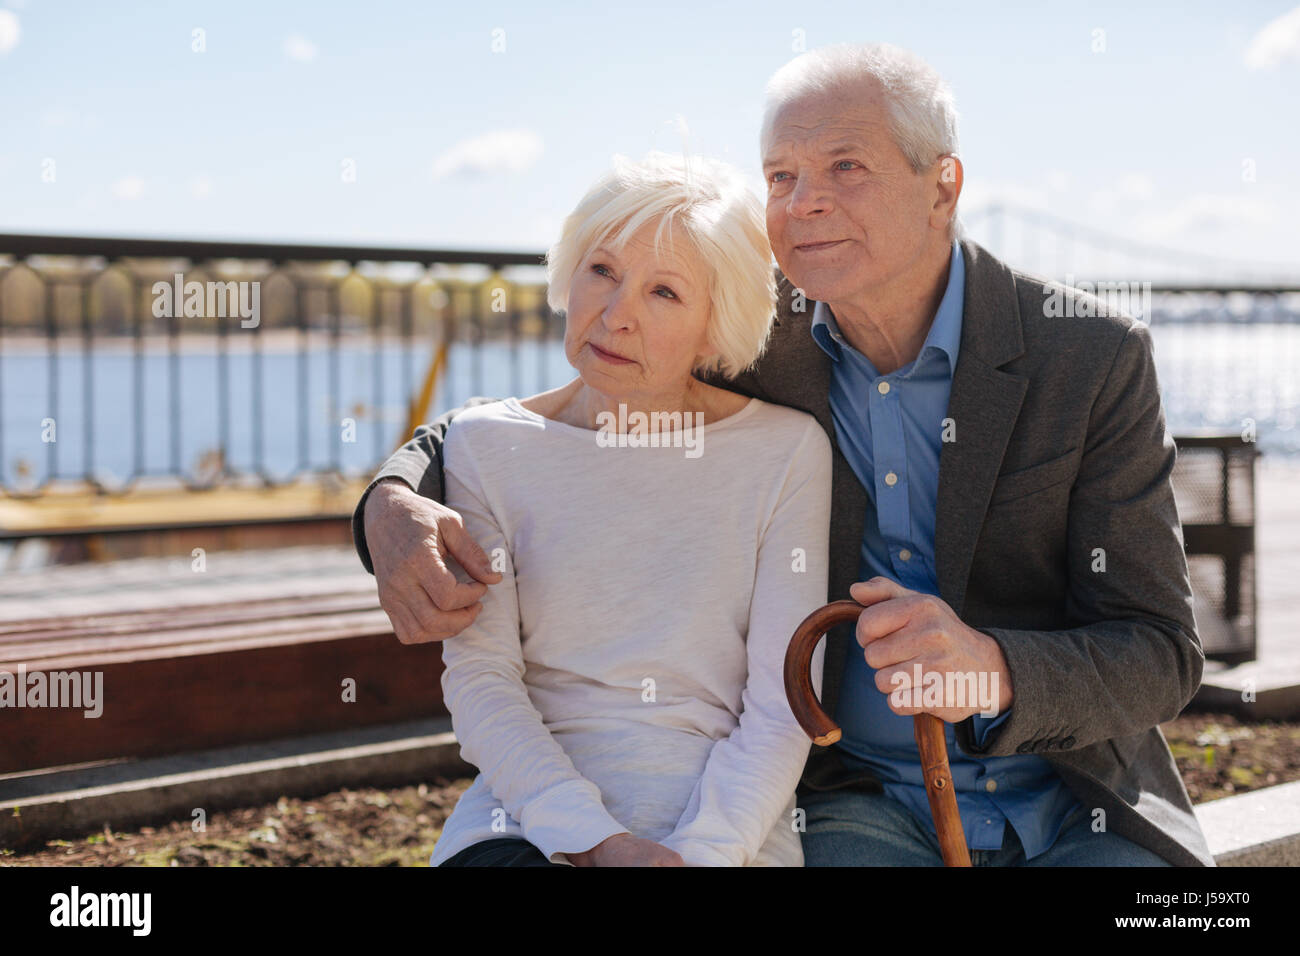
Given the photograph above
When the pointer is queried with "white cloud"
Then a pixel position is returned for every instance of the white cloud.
(1103, 204)
(980, 194)
(129, 187)
(1206, 213)
(1136, 186)
(1058, 180)
(10, 32)
(58, 117)
(298, 47)
(1278, 41)
(506, 150)
(539, 232)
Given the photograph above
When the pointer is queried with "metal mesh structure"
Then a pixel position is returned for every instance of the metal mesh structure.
(1214, 486)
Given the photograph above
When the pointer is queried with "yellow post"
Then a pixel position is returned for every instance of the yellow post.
(418, 411)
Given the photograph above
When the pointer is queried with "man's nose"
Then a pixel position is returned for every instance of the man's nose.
(808, 198)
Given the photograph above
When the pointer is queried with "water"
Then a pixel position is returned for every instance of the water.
(1214, 376)
(301, 427)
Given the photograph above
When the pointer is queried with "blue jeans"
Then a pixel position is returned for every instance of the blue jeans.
(854, 828)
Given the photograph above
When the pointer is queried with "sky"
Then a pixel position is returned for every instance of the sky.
(480, 125)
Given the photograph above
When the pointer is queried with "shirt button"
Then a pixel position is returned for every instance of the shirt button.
(891, 479)
(905, 555)
(883, 388)
(990, 785)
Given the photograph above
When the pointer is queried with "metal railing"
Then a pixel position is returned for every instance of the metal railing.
(113, 379)
(100, 385)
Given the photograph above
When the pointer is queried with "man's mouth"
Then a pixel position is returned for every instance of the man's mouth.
(818, 246)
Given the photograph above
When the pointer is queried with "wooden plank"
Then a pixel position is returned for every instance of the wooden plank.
(83, 511)
(96, 652)
(173, 704)
(225, 612)
(256, 647)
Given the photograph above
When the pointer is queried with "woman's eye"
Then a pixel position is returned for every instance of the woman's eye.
(597, 267)
(775, 176)
(844, 162)
(664, 288)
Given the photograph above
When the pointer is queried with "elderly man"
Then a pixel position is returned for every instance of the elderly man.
(1002, 504)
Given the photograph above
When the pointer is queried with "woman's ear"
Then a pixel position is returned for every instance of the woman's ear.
(707, 358)
(709, 364)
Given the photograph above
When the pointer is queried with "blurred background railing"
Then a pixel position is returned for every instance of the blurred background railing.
(99, 385)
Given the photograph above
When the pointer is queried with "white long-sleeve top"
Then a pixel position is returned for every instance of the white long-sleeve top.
(626, 674)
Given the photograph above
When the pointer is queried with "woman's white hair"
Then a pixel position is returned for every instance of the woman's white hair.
(922, 110)
(725, 227)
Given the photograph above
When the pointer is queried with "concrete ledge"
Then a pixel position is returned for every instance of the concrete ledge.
(1276, 687)
(40, 806)
(1260, 828)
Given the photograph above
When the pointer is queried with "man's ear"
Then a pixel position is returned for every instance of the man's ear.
(948, 177)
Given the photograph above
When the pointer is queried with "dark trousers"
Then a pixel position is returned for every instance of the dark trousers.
(503, 851)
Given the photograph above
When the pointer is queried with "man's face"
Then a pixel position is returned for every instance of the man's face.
(845, 212)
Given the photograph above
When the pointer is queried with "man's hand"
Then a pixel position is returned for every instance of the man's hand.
(901, 629)
(409, 535)
(624, 849)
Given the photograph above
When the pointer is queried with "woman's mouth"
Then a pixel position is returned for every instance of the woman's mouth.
(610, 357)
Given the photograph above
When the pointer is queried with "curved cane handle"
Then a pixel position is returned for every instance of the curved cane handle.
(818, 725)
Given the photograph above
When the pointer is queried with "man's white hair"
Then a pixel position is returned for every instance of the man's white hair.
(922, 110)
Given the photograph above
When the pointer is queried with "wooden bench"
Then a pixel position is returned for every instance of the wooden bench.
(223, 662)
(259, 645)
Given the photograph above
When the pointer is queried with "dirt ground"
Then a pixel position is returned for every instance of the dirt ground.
(1217, 754)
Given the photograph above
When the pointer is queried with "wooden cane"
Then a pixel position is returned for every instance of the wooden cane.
(824, 731)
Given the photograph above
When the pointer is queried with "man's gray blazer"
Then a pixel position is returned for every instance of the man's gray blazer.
(1056, 534)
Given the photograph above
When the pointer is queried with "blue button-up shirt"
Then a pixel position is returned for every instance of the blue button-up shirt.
(890, 428)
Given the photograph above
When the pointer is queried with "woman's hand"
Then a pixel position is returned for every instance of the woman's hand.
(624, 849)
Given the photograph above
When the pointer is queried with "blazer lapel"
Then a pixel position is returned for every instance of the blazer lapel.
(984, 404)
(796, 372)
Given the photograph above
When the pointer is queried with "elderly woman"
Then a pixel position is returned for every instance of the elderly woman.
(621, 690)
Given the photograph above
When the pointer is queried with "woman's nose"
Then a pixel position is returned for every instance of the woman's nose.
(618, 313)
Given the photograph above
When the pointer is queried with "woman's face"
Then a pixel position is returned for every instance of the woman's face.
(636, 322)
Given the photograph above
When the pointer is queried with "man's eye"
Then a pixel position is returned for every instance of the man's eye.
(844, 162)
(664, 288)
(775, 175)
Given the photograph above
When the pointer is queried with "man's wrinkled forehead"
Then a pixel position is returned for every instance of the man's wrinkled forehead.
(853, 131)
(824, 120)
